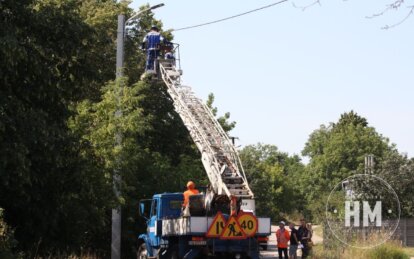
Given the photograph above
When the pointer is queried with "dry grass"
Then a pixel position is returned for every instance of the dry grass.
(388, 250)
(409, 251)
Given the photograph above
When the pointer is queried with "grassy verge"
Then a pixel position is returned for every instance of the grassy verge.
(385, 251)
(409, 251)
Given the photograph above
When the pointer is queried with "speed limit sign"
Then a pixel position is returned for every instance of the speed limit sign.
(248, 222)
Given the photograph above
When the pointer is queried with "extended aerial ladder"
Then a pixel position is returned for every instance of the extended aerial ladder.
(218, 154)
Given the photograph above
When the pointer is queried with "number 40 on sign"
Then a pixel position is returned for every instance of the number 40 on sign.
(246, 221)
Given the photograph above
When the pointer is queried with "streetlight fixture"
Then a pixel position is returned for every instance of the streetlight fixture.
(135, 16)
(121, 35)
(116, 212)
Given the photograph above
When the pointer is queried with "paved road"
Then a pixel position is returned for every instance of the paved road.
(271, 251)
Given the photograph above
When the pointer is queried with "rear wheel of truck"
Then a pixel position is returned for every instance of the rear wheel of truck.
(142, 252)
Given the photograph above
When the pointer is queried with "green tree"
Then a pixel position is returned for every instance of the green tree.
(223, 120)
(156, 155)
(398, 171)
(269, 173)
(336, 152)
(50, 195)
(58, 102)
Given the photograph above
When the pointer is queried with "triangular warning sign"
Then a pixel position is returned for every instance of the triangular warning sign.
(232, 230)
(217, 226)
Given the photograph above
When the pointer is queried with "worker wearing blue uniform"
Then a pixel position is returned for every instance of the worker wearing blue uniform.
(151, 43)
(169, 54)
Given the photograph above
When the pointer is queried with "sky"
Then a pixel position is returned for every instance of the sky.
(282, 72)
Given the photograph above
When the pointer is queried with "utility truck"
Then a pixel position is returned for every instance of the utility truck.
(220, 222)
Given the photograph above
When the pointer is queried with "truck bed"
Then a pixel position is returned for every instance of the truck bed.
(199, 226)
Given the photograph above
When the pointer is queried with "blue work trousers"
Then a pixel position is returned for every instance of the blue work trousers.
(152, 55)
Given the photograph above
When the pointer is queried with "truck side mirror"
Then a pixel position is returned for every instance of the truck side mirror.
(144, 208)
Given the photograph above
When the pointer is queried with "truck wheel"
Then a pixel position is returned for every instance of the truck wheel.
(142, 252)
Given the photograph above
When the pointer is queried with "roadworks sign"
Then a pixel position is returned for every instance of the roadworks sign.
(248, 222)
(232, 230)
(217, 227)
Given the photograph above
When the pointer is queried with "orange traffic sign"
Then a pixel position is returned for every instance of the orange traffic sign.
(248, 222)
(232, 230)
(216, 228)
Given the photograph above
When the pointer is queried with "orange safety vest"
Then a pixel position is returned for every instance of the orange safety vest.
(282, 238)
(187, 195)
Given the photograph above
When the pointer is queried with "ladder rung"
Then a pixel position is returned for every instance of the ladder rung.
(239, 192)
(233, 181)
(244, 196)
(228, 178)
(235, 185)
(205, 132)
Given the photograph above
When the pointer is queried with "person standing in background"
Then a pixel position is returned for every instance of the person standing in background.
(282, 237)
(304, 236)
(294, 241)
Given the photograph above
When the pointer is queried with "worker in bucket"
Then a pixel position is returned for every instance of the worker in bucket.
(169, 55)
(151, 44)
(191, 190)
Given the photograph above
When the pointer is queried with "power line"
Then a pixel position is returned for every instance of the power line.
(230, 17)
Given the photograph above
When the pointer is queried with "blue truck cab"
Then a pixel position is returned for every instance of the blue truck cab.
(169, 235)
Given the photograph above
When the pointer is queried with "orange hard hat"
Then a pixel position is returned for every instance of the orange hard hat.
(190, 184)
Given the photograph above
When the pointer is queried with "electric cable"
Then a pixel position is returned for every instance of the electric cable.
(230, 17)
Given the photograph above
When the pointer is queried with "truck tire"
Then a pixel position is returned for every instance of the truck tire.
(142, 252)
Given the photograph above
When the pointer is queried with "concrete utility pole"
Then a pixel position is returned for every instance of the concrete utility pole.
(116, 212)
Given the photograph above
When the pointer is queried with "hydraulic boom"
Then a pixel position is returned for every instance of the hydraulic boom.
(218, 154)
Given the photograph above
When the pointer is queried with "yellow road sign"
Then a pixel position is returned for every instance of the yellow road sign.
(248, 222)
(216, 228)
(232, 230)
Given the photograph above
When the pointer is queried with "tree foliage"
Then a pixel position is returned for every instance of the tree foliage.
(61, 111)
(269, 173)
(57, 125)
(223, 120)
(156, 154)
(398, 171)
(46, 186)
(338, 151)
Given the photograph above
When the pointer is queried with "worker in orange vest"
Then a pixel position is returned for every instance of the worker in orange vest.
(191, 190)
(283, 237)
